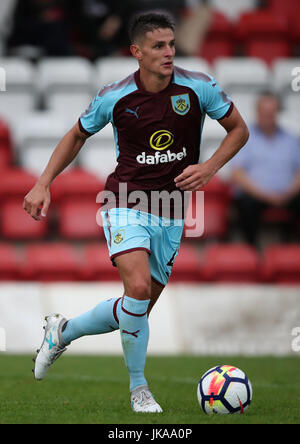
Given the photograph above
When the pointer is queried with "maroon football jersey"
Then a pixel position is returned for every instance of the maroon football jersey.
(157, 135)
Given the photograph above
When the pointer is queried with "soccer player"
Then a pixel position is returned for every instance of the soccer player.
(157, 115)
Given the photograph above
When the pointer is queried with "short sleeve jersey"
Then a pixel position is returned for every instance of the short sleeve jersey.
(157, 135)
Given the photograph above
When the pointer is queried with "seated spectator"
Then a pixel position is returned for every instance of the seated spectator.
(41, 24)
(98, 26)
(266, 172)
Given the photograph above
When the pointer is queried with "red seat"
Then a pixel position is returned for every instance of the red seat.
(283, 8)
(212, 48)
(281, 264)
(213, 223)
(187, 265)
(217, 190)
(16, 224)
(51, 262)
(97, 264)
(295, 29)
(218, 41)
(262, 24)
(5, 136)
(264, 35)
(77, 219)
(269, 51)
(15, 183)
(9, 262)
(231, 263)
(76, 183)
(5, 158)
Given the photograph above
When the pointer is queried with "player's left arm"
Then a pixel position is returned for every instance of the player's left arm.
(194, 177)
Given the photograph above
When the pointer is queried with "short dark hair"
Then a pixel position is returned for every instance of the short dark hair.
(147, 22)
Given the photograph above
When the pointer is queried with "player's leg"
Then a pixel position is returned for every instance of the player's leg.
(134, 328)
(156, 290)
(103, 318)
(59, 332)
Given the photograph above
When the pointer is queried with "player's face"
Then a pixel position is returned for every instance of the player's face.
(157, 51)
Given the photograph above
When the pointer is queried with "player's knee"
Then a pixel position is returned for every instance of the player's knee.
(139, 290)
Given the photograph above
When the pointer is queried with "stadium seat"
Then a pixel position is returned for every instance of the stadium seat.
(37, 134)
(213, 134)
(207, 214)
(40, 127)
(218, 40)
(215, 220)
(5, 136)
(212, 49)
(292, 104)
(20, 74)
(217, 190)
(295, 30)
(76, 183)
(194, 64)
(113, 69)
(240, 74)
(268, 51)
(246, 104)
(283, 8)
(99, 154)
(187, 265)
(9, 262)
(264, 35)
(16, 224)
(281, 264)
(36, 156)
(77, 219)
(69, 106)
(15, 183)
(20, 95)
(289, 122)
(5, 158)
(51, 262)
(64, 74)
(97, 264)
(261, 24)
(233, 8)
(15, 106)
(231, 263)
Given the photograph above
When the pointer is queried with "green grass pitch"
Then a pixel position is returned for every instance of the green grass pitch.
(94, 390)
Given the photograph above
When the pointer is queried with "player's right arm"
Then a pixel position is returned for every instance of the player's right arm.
(37, 201)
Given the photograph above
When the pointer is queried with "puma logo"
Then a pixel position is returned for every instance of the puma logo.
(130, 111)
(131, 333)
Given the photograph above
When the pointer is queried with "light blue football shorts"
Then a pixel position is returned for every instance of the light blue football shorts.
(127, 230)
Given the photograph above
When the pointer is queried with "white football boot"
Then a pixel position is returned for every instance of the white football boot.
(52, 346)
(142, 400)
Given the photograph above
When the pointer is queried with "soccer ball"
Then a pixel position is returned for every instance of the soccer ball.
(224, 389)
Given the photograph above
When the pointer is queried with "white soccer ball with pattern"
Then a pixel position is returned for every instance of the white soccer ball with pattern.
(224, 389)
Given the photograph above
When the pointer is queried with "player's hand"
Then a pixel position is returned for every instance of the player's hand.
(37, 201)
(194, 177)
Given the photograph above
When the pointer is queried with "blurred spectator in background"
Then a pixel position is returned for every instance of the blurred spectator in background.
(41, 24)
(266, 172)
(98, 28)
(102, 25)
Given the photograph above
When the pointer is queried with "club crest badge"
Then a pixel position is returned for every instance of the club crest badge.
(181, 104)
(119, 236)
